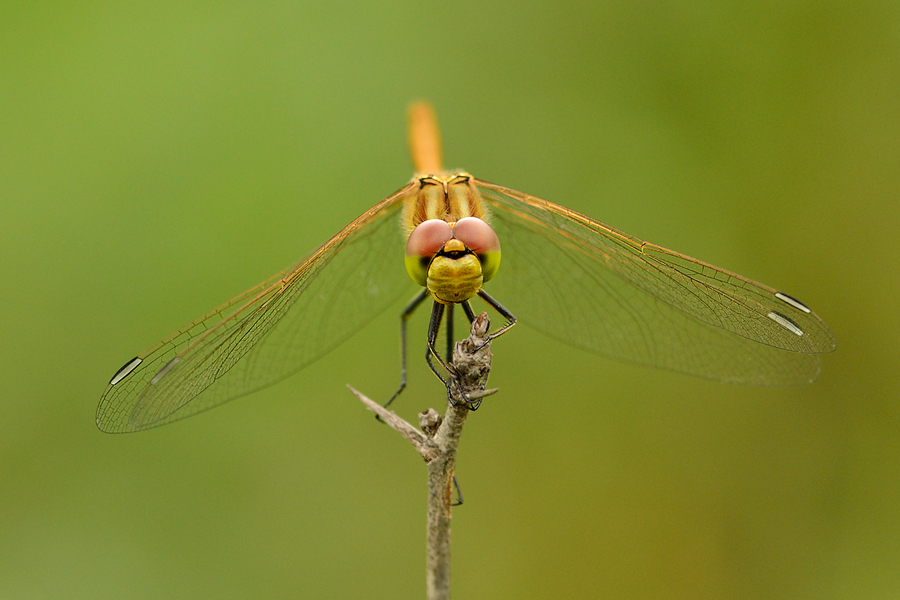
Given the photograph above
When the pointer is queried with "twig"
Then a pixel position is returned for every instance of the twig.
(437, 443)
(422, 442)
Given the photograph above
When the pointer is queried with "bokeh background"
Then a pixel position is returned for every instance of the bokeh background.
(158, 158)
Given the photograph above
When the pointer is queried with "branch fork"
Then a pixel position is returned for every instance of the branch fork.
(437, 440)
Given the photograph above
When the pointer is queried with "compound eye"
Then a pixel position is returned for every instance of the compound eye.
(483, 241)
(476, 235)
(428, 238)
(424, 242)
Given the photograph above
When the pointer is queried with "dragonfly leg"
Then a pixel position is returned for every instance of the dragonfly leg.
(437, 313)
(459, 496)
(404, 319)
(450, 340)
(504, 312)
(467, 308)
(431, 353)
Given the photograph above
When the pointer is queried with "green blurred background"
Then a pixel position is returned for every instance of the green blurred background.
(158, 158)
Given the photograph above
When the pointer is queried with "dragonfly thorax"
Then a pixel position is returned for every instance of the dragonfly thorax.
(449, 197)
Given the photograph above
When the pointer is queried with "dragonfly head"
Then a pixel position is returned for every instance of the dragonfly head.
(453, 260)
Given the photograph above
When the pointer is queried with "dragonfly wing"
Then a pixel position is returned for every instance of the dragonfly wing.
(605, 291)
(267, 333)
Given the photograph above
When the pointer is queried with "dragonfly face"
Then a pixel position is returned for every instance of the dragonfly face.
(567, 275)
(451, 250)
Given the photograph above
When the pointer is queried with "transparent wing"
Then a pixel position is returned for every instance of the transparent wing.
(267, 333)
(602, 290)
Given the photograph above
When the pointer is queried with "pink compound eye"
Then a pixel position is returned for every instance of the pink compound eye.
(476, 235)
(428, 237)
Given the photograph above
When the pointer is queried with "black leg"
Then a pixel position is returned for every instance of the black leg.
(467, 308)
(450, 340)
(404, 318)
(437, 313)
(510, 318)
(431, 353)
(459, 498)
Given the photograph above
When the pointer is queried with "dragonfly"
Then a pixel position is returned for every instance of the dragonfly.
(565, 274)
